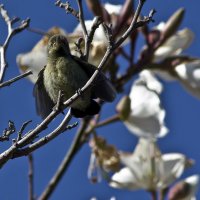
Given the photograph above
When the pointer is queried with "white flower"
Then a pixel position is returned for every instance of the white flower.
(174, 45)
(147, 169)
(189, 76)
(146, 118)
(186, 189)
(113, 9)
(99, 33)
(187, 72)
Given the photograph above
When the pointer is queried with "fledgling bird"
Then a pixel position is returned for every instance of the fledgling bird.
(67, 73)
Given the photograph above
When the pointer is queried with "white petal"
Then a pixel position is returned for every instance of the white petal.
(189, 75)
(174, 45)
(147, 116)
(144, 102)
(149, 127)
(112, 9)
(151, 81)
(144, 95)
(160, 26)
(99, 33)
(193, 181)
(124, 179)
(173, 167)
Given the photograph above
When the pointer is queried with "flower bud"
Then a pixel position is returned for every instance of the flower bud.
(173, 23)
(124, 107)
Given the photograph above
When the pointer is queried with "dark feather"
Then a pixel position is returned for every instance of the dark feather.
(44, 104)
(92, 109)
(102, 88)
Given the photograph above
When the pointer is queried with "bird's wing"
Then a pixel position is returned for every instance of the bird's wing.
(44, 104)
(102, 88)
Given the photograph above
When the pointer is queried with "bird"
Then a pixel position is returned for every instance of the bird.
(67, 74)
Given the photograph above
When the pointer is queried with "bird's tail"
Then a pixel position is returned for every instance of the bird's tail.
(92, 109)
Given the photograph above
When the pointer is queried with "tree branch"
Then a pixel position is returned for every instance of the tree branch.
(6, 155)
(75, 147)
(11, 32)
(30, 177)
(9, 82)
(85, 33)
(41, 142)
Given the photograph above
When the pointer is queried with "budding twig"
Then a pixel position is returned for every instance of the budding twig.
(8, 131)
(67, 8)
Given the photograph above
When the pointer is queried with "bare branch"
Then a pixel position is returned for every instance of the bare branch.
(78, 47)
(85, 33)
(9, 82)
(96, 22)
(75, 147)
(30, 177)
(38, 31)
(59, 101)
(41, 142)
(109, 34)
(20, 132)
(11, 32)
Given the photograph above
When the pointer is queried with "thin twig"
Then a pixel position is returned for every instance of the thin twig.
(105, 122)
(78, 47)
(30, 177)
(65, 163)
(59, 101)
(88, 40)
(9, 82)
(8, 131)
(11, 32)
(67, 8)
(46, 139)
(38, 31)
(85, 33)
(20, 132)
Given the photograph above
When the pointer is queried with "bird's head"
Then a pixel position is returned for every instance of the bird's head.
(58, 45)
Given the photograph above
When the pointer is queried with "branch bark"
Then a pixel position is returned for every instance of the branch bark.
(75, 147)
(11, 32)
(30, 177)
(11, 81)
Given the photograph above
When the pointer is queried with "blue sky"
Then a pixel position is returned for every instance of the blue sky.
(17, 104)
